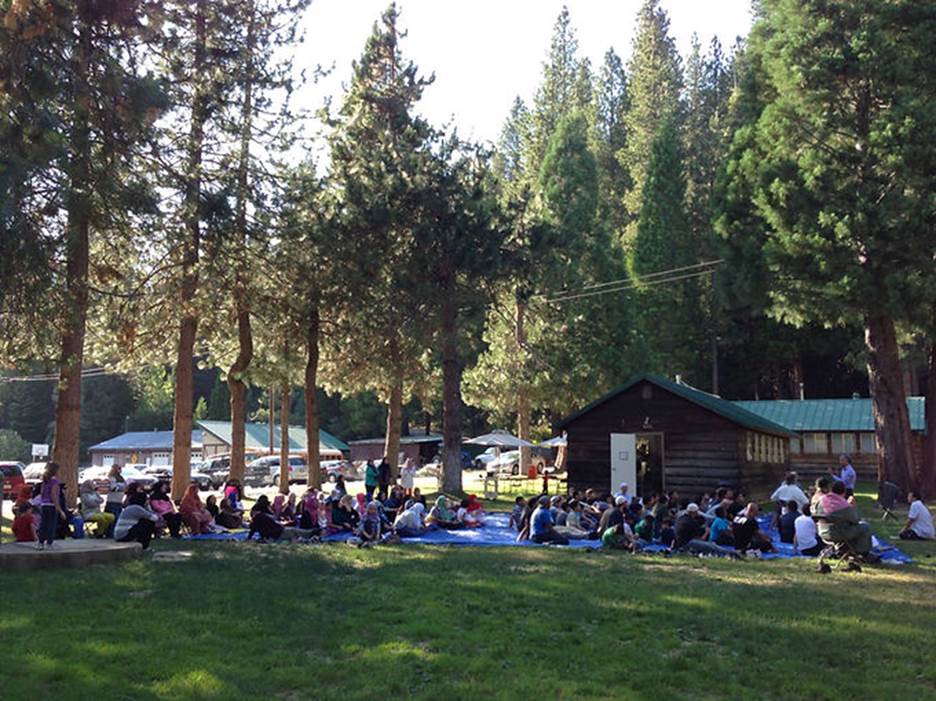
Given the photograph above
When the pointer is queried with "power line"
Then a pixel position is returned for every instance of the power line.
(629, 280)
(633, 285)
(49, 377)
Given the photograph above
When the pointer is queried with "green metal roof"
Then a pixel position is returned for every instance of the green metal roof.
(828, 414)
(258, 436)
(727, 410)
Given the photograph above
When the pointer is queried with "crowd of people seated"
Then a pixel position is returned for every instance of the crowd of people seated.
(723, 523)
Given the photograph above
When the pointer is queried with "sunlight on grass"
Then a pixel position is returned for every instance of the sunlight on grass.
(197, 683)
(690, 601)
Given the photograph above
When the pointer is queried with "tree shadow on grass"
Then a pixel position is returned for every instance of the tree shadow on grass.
(244, 620)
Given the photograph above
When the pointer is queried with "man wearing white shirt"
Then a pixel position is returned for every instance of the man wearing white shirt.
(806, 538)
(790, 491)
(919, 520)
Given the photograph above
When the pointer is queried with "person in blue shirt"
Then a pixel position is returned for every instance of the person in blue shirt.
(847, 475)
(541, 525)
(720, 531)
(787, 522)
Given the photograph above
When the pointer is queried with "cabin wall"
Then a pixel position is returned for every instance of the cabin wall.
(700, 448)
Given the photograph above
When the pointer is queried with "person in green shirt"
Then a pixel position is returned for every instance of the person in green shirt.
(371, 479)
(644, 529)
(617, 538)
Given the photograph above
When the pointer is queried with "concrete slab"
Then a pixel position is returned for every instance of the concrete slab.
(23, 557)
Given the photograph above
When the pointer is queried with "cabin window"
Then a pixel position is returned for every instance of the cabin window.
(867, 442)
(816, 443)
(749, 450)
(796, 444)
(843, 442)
(774, 449)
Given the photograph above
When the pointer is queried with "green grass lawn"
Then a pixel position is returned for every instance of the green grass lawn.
(236, 620)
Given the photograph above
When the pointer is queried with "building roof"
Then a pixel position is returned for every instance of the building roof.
(145, 440)
(404, 440)
(727, 410)
(258, 436)
(828, 414)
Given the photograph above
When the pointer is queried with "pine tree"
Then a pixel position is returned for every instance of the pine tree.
(655, 83)
(840, 159)
(669, 312)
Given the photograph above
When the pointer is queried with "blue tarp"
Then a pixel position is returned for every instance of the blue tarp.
(496, 533)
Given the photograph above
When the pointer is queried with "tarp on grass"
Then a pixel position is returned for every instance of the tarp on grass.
(496, 533)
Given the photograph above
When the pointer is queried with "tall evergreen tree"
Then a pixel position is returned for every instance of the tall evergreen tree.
(842, 155)
(654, 87)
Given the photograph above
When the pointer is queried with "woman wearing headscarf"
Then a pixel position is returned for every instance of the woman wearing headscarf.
(408, 476)
(268, 527)
(360, 504)
(90, 506)
(409, 524)
(194, 513)
(441, 516)
(344, 517)
(162, 506)
(277, 508)
(229, 517)
(371, 524)
(309, 517)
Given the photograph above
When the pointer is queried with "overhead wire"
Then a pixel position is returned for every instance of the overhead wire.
(630, 285)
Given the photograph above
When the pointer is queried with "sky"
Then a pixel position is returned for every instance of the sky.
(486, 52)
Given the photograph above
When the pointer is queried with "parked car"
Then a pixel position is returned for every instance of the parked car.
(99, 475)
(218, 467)
(265, 471)
(33, 472)
(164, 472)
(12, 478)
(434, 466)
(509, 463)
(332, 468)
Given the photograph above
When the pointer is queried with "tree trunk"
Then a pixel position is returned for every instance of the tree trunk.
(239, 393)
(68, 407)
(523, 401)
(244, 332)
(311, 405)
(188, 327)
(928, 478)
(284, 440)
(891, 420)
(394, 423)
(271, 420)
(451, 398)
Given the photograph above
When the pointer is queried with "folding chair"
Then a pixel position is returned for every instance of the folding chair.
(841, 555)
(887, 498)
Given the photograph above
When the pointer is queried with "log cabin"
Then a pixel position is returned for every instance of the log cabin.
(686, 440)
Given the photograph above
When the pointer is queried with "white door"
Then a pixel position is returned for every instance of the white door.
(624, 461)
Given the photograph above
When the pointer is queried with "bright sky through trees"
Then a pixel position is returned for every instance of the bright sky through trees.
(485, 52)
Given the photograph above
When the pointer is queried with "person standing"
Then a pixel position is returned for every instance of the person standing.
(49, 505)
(384, 479)
(371, 479)
(408, 476)
(847, 475)
(116, 486)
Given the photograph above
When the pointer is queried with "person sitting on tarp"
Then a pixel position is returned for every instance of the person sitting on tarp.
(919, 520)
(619, 537)
(409, 524)
(541, 525)
(613, 516)
(442, 516)
(720, 531)
(644, 529)
(747, 532)
(837, 519)
(806, 539)
(787, 523)
(691, 533)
